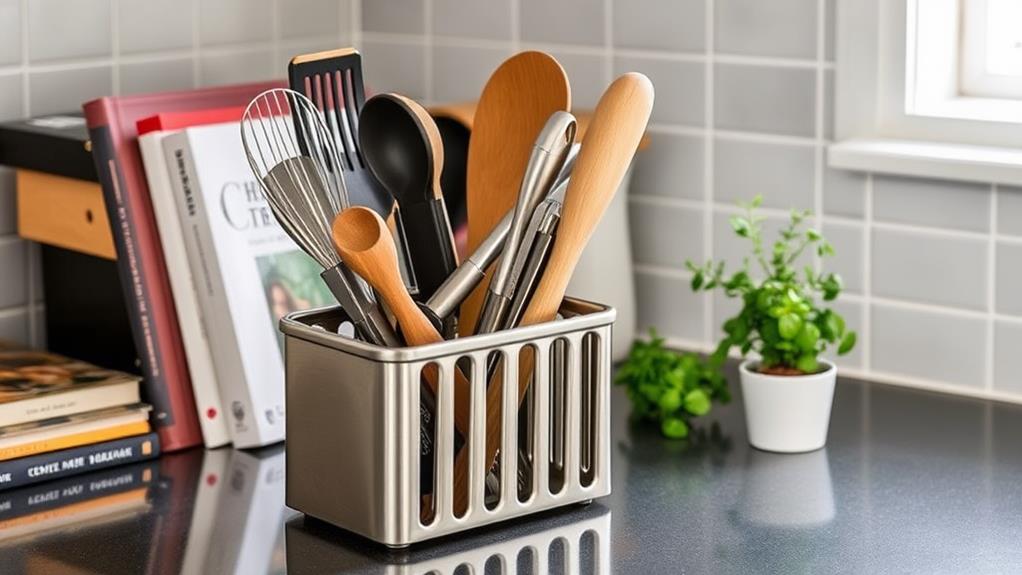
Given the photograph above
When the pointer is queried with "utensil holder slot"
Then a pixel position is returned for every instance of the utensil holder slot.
(359, 414)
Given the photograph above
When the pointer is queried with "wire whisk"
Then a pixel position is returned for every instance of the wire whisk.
(292, 154)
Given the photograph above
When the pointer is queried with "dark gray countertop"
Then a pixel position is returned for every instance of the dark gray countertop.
(910, 482)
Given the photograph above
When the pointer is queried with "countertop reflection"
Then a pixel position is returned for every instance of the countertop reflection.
(910, 481)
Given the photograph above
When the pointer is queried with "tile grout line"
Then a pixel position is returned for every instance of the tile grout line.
(427, 22)
(821, 9)
(516, 26)
(275, 35)
(115, 47)
(708, 160)
(196, 44)
(867, 278)
(608, 42)
(355, 12)
(991, 288)
(26, 108)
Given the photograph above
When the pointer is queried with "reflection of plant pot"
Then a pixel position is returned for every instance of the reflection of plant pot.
(787, 491)
(787, 413)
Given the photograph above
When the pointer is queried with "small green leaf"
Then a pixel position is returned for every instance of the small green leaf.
(756, 201)
(847, 343)
(813, 235)
(697, 402)
(741, 226)
(697, 280)
(807, 363)
(789, 325)
(835, 325)
(670, 401)
(808, 337)
(674, 428)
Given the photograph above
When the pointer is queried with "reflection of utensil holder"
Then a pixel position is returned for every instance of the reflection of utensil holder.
(577, 542)
(790, 490)
(355, 424)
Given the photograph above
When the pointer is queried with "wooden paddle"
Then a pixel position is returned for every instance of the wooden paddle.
(612, 138)
(515, 105)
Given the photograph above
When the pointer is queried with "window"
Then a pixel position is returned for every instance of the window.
(963, 59)
(991, 49)
(930, 88)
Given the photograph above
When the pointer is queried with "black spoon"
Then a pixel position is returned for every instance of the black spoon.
(402, 146)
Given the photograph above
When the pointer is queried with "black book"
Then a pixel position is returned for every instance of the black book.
(77, 460)
(53, 495)
(54, 144)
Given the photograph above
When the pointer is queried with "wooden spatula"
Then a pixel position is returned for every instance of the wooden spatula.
(613, 137)
(514, 106)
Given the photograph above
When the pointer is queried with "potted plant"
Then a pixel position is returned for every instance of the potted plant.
(787, 387)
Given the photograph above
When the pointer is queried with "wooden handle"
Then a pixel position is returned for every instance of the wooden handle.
(618, 124)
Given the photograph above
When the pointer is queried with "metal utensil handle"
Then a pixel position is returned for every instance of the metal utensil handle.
(548, 156)
(467, 276)
(361, 307)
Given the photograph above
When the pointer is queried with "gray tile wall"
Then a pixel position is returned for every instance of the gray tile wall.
(744, 106)
(933, 269)
(55, 54)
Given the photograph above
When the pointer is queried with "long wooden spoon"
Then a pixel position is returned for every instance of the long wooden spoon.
(515, 104)
(612, 139)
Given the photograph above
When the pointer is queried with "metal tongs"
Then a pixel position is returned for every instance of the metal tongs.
(549, 154)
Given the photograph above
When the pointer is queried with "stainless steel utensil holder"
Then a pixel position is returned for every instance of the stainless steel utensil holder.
(353, 424)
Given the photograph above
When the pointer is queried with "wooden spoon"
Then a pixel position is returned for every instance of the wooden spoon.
(367, 247)
(612, 138)
(514, 106)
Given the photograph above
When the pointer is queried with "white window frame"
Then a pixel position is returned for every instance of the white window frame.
(974, 78)
(885, 123)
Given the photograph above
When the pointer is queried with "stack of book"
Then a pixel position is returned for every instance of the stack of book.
(60, 417)
(175, 215)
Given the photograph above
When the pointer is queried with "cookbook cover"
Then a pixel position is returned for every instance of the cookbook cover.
(37, 385)
(247, 273)
(143, 272)
(152, 131)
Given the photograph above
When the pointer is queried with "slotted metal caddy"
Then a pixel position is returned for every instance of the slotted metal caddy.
(353, 423)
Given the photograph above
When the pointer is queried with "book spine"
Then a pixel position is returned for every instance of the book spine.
(235, 393)
(78, 460)
(74, 440)
(73, 402)
(59, 493)
(208, 404)
(146, 287)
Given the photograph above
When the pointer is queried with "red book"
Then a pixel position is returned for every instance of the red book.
(189, 118)
(113, 133)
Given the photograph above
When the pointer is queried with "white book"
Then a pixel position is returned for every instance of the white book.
(247, 272)
(212, 417)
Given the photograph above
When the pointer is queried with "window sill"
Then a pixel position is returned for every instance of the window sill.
(928, 160)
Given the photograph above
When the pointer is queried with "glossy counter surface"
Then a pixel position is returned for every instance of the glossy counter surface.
(910, 482)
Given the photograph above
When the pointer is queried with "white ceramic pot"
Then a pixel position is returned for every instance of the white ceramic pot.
(787, 414)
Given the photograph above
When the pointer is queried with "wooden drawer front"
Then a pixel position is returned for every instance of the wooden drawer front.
(64, 212)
